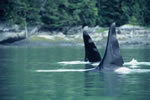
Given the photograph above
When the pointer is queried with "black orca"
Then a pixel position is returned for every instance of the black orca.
(91, 52)
(112, 57)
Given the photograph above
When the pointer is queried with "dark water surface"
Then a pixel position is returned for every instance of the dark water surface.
(19, 79)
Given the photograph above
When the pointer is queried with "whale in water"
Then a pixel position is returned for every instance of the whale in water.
(91, 52)
(112, 57)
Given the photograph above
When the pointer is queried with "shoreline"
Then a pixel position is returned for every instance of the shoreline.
(126, 35)
(50, 41)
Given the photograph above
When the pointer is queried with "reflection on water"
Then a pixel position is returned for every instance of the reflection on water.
(20, 81)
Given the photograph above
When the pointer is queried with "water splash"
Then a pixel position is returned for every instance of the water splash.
(134, 63)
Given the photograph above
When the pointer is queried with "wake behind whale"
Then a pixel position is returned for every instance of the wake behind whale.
(130, 63)
(65, 70)
(125, 69)
(121, 70)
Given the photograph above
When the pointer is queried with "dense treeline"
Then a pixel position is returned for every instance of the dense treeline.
(56, 14)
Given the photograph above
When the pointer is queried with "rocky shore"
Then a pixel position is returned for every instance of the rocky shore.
(126, 34)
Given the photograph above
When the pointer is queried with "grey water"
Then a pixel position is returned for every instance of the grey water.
(19, 79)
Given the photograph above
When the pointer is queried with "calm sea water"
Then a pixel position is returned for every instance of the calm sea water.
(23, 76)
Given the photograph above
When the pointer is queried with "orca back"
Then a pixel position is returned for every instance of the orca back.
(91, 52)
(112, 56)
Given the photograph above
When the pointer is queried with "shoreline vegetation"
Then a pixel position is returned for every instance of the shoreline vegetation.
(65, 20)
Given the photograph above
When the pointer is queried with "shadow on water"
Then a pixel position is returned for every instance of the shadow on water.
(101, 83)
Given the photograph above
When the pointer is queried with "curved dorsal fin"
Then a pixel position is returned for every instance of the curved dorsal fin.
(91, 52)
(112, 56)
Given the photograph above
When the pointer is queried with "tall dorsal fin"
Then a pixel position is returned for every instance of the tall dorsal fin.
(91, 52)
(112, 56)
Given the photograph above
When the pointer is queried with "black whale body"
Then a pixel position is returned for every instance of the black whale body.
(91, 52)
(112, 57)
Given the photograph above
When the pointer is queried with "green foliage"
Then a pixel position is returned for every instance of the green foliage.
(19, 11)
(134, 10)
(56, 14)
(146, 12)
(69, 13)
(111, 11)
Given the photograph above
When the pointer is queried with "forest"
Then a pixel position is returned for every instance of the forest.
(56, 14)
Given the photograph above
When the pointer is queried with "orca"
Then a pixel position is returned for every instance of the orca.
(91, 52)
(112, 56)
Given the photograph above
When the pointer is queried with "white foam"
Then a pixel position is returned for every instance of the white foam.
(95, 64)
(77, 63)
(73, 62)
(123, 70)
(134, 66)
(65, 70)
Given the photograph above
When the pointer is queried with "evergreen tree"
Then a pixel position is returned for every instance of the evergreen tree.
(61, 13)
(56, 14)
(134, 10)
(89, 12)
(111, 11)
(147, 13)
(19, 12)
